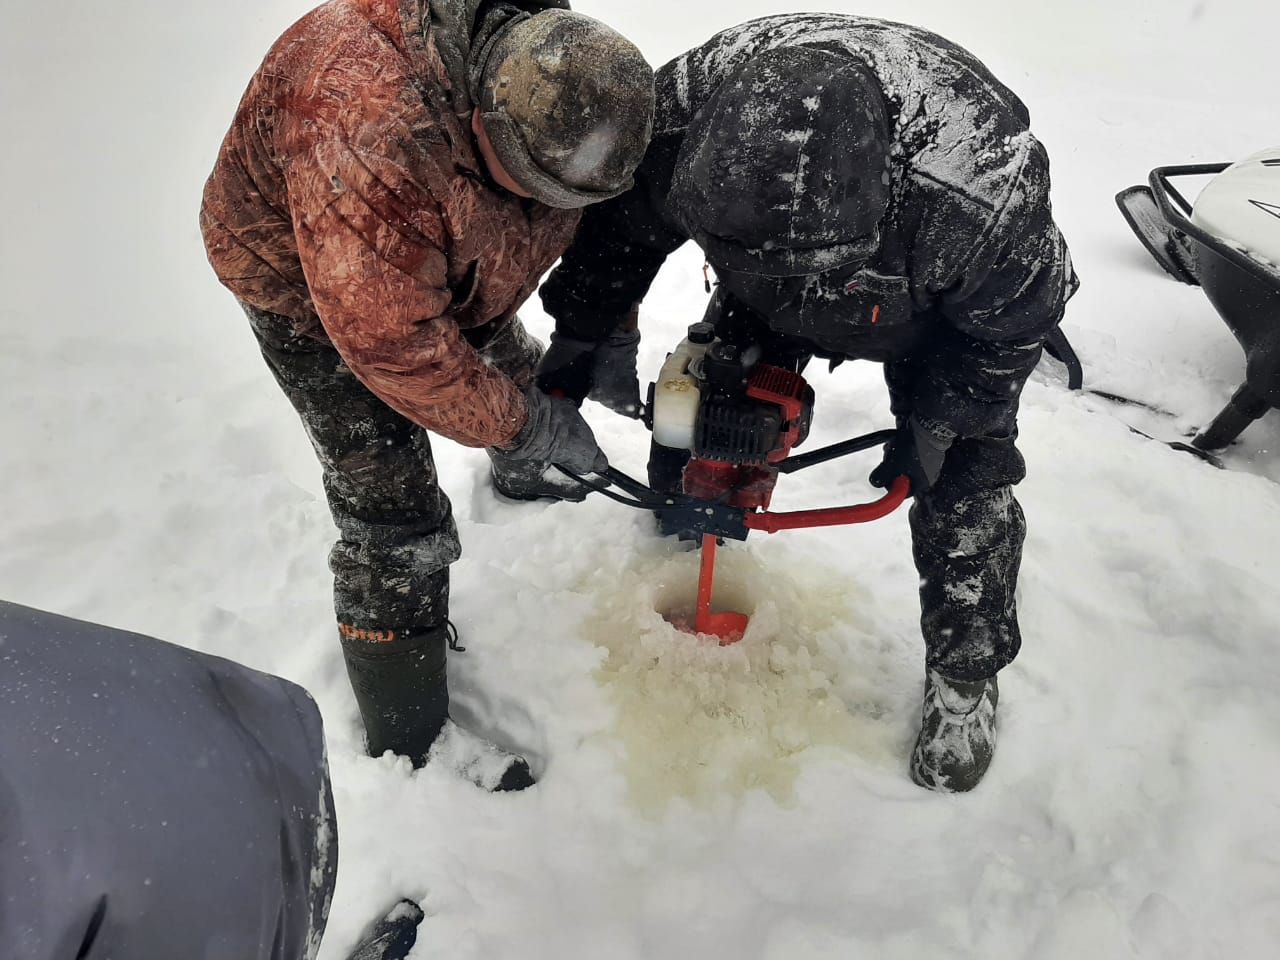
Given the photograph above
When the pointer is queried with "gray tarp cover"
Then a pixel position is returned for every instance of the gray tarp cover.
(182, 799)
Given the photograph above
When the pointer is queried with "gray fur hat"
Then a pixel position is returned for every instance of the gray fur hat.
(568, 104)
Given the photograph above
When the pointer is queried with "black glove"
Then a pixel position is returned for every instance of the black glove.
(565, 369)
(556, 433)
(917, 452)
(615, 383)
(604, 372)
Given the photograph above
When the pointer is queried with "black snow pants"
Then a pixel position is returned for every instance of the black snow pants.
(397, 537)
(967, 533)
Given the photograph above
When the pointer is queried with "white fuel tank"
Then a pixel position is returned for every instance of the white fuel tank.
(677, 396)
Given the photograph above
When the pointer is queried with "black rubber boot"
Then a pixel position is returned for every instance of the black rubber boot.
(528, 480)
(402, 690)
(958, 734)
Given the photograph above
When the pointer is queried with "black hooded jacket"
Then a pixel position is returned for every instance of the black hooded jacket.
(970, 273)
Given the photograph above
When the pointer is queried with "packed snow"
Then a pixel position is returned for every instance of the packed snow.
(694, 801)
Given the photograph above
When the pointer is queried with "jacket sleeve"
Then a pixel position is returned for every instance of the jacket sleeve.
(371, 240)
(619, 249)
(995, 319)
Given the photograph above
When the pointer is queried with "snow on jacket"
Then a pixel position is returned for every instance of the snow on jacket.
(972, 272)
(155, 803)
(349, 197)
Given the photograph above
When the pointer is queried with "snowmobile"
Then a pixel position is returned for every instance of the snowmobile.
(1228, 244)
(728, 419)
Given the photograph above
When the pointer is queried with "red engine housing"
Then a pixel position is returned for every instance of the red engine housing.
(770, 419)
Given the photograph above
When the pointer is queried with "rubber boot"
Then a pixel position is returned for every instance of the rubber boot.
(529, 480)
(958, 734)
(402, 690)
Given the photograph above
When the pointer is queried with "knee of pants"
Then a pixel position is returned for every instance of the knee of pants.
(975, 465)
(390, 482)
(395, 547)
(967, 526)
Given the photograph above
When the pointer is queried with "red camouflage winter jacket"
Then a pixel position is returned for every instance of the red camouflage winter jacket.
(349, 197)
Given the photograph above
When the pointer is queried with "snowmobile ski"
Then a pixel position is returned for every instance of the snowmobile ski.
(1193, 448)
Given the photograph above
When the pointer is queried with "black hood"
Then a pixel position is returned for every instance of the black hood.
(786, 169)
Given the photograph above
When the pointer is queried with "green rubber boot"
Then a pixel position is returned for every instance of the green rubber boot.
(402, 689)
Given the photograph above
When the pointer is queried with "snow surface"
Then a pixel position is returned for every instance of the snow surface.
(750, 803)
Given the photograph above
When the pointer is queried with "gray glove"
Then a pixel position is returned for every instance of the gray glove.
(604, 372)
(556, 433)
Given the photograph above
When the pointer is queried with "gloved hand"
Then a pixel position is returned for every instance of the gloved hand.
(917, 453)
(615, 383)
(556, 433)
(604, 372)
(566, 368)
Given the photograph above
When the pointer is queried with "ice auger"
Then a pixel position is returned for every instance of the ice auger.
(732, 420)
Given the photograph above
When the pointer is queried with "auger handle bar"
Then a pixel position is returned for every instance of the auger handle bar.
(735, 523)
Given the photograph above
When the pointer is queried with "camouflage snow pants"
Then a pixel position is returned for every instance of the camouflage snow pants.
(397, 537)
(967, 533)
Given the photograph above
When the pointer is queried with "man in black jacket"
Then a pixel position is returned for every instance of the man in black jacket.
(863, 190)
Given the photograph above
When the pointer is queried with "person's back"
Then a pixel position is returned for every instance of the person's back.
(966, 178)
(155, 802)
(952, 120)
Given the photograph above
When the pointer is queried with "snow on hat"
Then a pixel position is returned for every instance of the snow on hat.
(785, 170)
(568, 105)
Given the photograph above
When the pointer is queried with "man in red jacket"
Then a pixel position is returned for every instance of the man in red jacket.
(399, 175)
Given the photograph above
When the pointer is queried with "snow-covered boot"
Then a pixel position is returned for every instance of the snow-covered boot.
(402, 689)
(958, 733)
(529, 480)
(481, 761)
(393, 936)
